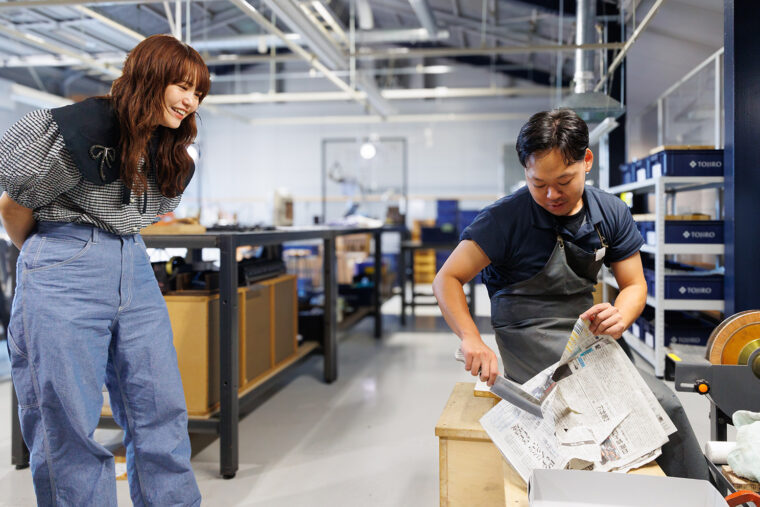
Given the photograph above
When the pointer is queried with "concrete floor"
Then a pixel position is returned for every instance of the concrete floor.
(367, 439)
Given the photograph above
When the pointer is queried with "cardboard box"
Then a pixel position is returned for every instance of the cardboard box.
(576, 488)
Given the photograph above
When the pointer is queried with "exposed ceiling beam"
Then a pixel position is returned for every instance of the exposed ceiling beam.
(393, 94)
(248, 42)
(425, 15)
(400, 118)
(603, 6)
(84, 59)
(110, 22)
(320, 44)
(635, 35)
(499, 50)
(53, 3)
(254, 14)
(475, 24)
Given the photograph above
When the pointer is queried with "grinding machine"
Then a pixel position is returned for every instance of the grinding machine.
(730, 377)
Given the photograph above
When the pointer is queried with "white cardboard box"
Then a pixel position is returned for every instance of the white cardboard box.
(575, 488)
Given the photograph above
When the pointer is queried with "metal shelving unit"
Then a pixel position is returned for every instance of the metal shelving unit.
(661, 187)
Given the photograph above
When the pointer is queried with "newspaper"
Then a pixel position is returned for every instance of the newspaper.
(602, 417)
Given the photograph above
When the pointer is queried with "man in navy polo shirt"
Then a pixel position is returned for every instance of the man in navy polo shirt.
(540, 250)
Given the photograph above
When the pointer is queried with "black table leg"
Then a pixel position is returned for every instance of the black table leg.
(329, 282)
(377, 298)
(402, 281)
(19, 451)
(228, 359)
(411, 280)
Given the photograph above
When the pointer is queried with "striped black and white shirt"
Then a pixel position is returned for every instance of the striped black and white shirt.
(38, 172)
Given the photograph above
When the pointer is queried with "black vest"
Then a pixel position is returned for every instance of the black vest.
(91, 134)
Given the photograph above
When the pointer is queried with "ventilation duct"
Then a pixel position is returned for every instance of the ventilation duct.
(592, 106)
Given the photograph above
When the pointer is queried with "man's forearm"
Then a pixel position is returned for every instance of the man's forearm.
(453, 303)
(18, 221)
(630, 301)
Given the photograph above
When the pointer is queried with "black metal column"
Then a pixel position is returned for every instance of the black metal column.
(330, 338)
(228, 358)
(377, 299)
(742, 154)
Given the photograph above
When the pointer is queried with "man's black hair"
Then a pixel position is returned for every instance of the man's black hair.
(560, 128)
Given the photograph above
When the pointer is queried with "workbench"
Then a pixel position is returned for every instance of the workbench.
(225, 422)
(472, 470)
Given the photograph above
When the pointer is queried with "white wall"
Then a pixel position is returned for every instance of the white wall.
(243, 164)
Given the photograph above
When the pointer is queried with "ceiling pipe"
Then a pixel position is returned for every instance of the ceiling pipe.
(585, 19)
(364, 15)
(362, 37)
(425, 15)
(590, 104)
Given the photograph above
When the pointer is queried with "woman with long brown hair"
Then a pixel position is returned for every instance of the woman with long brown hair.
(81, 181)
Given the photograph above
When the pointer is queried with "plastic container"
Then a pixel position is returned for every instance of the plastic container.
(685, 231)
(687, 285)
(686, 329)
(685, 163)
(628, 173)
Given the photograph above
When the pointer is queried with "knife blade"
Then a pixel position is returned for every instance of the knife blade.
(511, 392)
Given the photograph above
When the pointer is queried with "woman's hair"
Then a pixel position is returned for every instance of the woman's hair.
(137, 97)
(559, 128)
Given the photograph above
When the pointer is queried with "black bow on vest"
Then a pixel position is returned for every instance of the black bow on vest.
(106, 154)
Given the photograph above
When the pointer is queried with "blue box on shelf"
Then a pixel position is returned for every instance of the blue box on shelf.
(694, 231)
(628, 173)
(686, 163)
(686, 329)
(687, 285)
(466, 217)
(435, 235)
(356, 296)
(440, 258)
(685, 231)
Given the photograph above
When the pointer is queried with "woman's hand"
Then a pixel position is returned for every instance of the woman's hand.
(480, 360)
(605, 319)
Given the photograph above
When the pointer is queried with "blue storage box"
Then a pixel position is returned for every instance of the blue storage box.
(687, 285)
(466, 217)
(685, 231)
(686, 329)
(694, 231)
(686, 163)
(438, 235)
(440, 258)
(628, 173)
